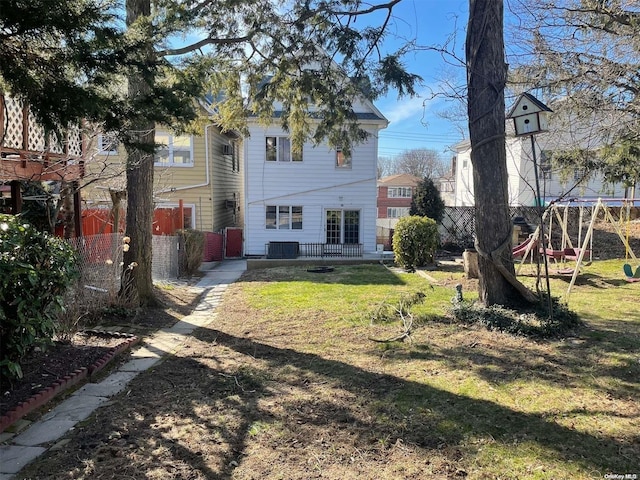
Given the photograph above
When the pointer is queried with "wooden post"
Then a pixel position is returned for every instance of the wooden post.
(77, 209)
(181, 214)
(16, 197)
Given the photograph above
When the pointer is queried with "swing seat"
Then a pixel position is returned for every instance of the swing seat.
(551, 253)
(565, 271)
(574, 253)
(628, 271)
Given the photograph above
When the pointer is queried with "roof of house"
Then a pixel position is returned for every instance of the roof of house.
(399, 180)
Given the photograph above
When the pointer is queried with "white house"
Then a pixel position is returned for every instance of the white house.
(520, 168)
(320, 196)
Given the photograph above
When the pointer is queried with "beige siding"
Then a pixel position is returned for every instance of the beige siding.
(205, 194)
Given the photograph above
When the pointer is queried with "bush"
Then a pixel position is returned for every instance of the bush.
(415, 241)
(35, 271)
(192, 251)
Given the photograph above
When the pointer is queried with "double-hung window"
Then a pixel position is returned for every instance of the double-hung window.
(174, 150)
(284, 217)
(399, 192)
(107, 144)
(397, 212)
(278, 149)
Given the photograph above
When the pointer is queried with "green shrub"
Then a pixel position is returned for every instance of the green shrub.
(192, 242)
(415, 240)
(35, 271)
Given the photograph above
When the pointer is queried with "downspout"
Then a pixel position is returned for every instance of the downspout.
(207, 161)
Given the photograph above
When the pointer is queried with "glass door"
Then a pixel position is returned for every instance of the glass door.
(334, 227)
(343, 226)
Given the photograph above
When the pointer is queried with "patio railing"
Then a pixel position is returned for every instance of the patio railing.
(321, 250)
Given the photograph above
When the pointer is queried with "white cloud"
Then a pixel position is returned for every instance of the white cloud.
(406, 108)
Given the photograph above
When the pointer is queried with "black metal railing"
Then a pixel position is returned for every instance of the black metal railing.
(297, 250)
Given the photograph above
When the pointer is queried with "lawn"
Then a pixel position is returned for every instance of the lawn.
(288, 382)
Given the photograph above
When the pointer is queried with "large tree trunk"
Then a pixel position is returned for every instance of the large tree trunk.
(486, 79)
(137, 284)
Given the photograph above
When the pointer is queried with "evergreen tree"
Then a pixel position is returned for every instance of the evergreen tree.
(81, 59)
(426, 201)
(304, 56)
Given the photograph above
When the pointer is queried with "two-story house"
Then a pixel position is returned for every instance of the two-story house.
(395, 193)
(522, 178)
(318, 197)
(200, 174)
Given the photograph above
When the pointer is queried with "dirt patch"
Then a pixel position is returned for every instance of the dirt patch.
(42, 367)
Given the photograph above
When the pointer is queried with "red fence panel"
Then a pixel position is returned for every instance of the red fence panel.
(213, 243)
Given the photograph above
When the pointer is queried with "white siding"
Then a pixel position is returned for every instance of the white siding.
(521, 176)
(316, 184)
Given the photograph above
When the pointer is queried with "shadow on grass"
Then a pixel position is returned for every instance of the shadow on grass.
(222, 398)
(450, 418)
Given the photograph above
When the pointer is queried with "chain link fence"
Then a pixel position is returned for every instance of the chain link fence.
(100, 260)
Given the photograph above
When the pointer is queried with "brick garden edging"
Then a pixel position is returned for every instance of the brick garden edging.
(62, 384)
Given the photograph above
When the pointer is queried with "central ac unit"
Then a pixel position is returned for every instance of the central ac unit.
(227, 149)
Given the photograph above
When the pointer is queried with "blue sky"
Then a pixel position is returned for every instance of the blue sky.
(414, 122)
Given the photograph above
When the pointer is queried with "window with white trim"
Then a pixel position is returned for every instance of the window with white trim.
(397, 212)
(278, 149)
(107, 144)
(343, 159)
(283, 217)
(399, 192)
(173, 150)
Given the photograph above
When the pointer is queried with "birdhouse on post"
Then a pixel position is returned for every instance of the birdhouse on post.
(529, 115)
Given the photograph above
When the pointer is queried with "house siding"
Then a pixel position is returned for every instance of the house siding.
(521, 176)
(316, 184)
(204, 195)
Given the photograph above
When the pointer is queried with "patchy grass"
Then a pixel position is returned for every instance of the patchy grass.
(286, 383)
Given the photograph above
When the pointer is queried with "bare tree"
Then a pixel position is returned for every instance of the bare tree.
(582, 57)
(421, 163)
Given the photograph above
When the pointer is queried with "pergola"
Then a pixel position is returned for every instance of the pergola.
(29, 153)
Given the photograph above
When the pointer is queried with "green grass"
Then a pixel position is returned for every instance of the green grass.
(493, 404)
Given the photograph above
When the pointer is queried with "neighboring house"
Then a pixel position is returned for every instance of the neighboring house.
(395, 193)
(319, 196)
(200, 174)
(446, 185)
(521, 176)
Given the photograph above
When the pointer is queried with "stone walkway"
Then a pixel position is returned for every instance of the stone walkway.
(29, 440)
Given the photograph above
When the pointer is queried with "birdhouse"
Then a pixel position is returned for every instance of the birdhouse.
(529, 115)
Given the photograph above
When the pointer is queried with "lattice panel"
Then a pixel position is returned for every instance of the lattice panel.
(36, 135)
(75, 141)
(13, 137)
(55, 145)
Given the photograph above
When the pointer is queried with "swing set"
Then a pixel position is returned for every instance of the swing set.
(582, 252)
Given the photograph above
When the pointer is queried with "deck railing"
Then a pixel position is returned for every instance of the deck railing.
(321, 250)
